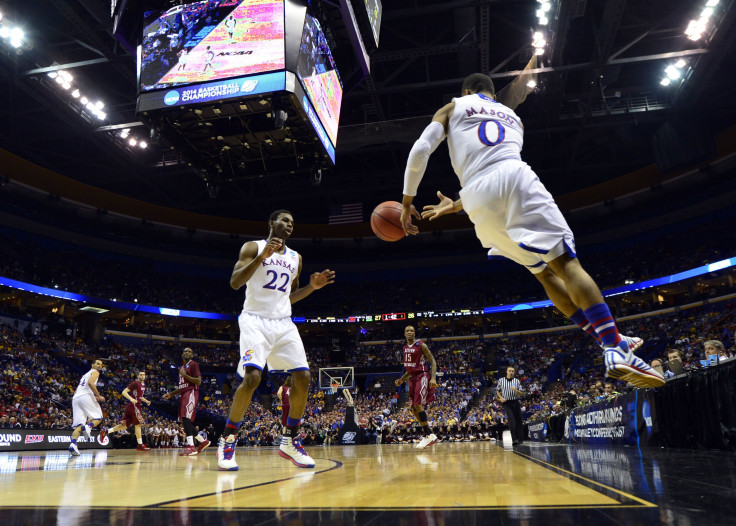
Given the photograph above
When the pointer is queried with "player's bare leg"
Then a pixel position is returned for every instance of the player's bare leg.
(618, 354)
(241, 401)
(139, 438)
(244, 394)
(421, 415)
(291, 445)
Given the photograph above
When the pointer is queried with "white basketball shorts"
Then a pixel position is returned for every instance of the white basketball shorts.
(272, 341)
(84, 407)
(516, 217)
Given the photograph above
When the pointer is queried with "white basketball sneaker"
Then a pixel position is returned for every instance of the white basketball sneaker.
(427, 441)
(292, 449)
(622, 364)
(226, 453)
(74, 450)
(634, 342)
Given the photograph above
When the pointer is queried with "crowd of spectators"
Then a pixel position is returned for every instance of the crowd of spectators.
(558, 371)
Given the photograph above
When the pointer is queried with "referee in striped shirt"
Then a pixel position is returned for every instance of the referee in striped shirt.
(508, 392)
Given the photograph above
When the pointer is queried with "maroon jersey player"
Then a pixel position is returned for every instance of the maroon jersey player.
(133, 411)
(422, 381)
(189, 381)
(283, 394)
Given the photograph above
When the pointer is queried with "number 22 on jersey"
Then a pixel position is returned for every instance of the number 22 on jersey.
(274, 276)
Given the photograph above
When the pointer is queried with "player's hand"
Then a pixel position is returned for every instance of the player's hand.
(410, 229)
(167, 396)
(320, 279)
(445, 206)
(274, 245)
(433, 384)
(399, 381)
(100, 398)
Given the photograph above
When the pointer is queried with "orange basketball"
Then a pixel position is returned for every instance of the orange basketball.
(386, 221)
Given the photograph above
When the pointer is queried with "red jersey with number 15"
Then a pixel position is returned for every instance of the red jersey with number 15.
(414, 359)
(192, 369)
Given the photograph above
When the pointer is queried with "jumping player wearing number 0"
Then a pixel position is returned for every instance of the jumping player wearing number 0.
(268, 336)
(514, 214)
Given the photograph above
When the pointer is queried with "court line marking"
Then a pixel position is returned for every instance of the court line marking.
(588, 482)
(169, 503)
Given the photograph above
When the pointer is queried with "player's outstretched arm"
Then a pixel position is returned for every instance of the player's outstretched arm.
(316, 281)
(416, 164)
(172, 394)
(445, 206)
(516, 92)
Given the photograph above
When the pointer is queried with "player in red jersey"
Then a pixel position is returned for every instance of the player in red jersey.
(283, 394)
(133, 413)
(422, 382)
(189, 381)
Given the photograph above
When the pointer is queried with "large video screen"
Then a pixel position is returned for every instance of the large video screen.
(374, 16)
(317, 72)
(211, 40)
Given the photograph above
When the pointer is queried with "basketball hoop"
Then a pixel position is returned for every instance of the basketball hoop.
(333, 388)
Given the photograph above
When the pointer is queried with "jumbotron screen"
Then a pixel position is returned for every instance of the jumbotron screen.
(317, 72)
(211, 40)
(374, 9)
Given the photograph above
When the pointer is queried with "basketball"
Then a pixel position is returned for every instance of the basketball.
(386, 221)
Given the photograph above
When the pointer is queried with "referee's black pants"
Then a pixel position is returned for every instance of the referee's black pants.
(516, 424)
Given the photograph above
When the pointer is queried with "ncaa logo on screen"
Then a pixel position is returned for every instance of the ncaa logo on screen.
(248, 86)
(171, 98)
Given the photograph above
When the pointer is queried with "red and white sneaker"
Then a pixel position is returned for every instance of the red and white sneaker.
(292, 449)
(427, 441)
(623, 365)
(203, 445)
(634, 342)
(103, 434)
(190, 451)
(143, 447)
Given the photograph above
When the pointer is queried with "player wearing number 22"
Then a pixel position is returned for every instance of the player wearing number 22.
(268, 336)
(514, 215)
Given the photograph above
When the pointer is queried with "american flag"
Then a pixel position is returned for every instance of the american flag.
(345, 214)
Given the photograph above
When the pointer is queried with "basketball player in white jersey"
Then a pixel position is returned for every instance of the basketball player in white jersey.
(515, 216)
(85, 405)
(268, 336)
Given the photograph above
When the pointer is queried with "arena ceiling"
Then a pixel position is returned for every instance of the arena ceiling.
(592, 117)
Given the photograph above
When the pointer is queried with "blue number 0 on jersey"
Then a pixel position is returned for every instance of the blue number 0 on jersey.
(483, 134)
(274, 276)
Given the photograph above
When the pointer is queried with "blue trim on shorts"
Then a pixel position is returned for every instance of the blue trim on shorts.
(237, 370)
(536, 265)
(532, 249)
(570, 252)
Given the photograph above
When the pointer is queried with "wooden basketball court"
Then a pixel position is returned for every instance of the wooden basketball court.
(449, 483)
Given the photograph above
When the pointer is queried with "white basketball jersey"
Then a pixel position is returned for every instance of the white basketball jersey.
(482, 132)
(83, 387)
(267, 291)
